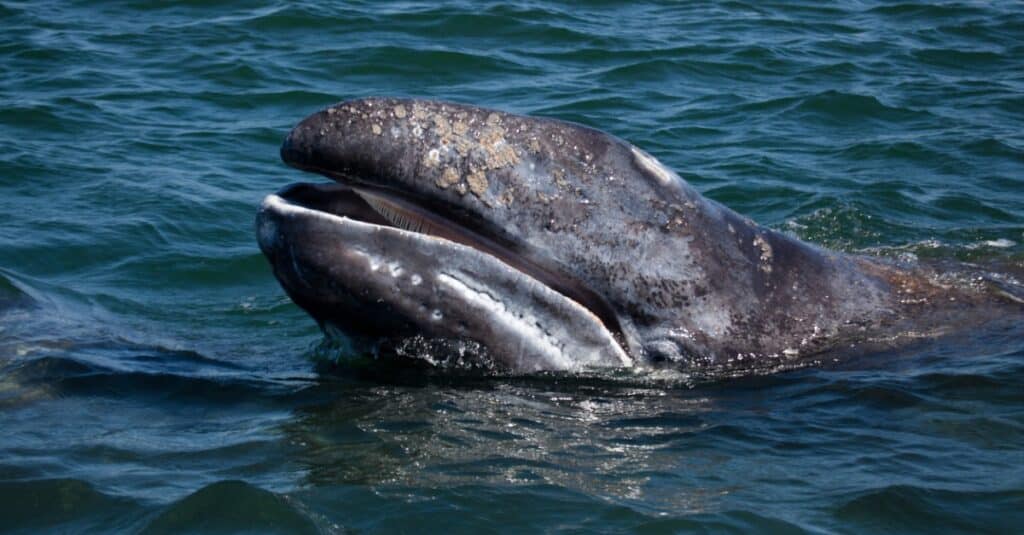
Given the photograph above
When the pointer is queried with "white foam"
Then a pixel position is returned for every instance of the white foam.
(1001, 243)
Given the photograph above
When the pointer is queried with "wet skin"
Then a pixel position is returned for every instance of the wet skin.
(527, 244)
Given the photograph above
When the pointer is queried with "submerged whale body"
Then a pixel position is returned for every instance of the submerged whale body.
(468, 236)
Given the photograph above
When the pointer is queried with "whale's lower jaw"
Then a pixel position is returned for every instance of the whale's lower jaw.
(368, 266)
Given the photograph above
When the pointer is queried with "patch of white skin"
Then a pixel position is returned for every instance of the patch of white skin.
(372, 262)
(708, 314)
(714, 320)
(653, 166)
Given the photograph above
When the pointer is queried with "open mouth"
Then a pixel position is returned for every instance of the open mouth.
(385, 208)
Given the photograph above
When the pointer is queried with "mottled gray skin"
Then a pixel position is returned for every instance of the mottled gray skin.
(686, 279)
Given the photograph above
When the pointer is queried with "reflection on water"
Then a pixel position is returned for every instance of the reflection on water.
(599, 441)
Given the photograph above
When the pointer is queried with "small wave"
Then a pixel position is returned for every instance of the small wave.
(926, 10)
(65, 505)
(105, 369)
(735, 521)
(989, 147)
(923, 509)
(885, 151)
(842, 225)
(843, 70)
(999, 243)
(835, 107)
(11, 295)
(234, 507)
(663, 68)
(972, 60)
(988, 254)
(296, 17)
(451, 64)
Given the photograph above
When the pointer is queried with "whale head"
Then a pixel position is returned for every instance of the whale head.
(440, 227)
(529, 243)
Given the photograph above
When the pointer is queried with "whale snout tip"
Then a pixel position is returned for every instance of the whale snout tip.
(295, 148)
(288, 149)
(303, 141)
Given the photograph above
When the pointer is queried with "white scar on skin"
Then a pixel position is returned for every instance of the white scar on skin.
(653, 166)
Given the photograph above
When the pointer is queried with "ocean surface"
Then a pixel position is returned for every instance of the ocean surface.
(155, 378)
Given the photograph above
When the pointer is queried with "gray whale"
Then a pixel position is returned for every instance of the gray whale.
(526, 244)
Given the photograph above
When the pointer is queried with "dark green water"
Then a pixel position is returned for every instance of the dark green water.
(154, 377)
